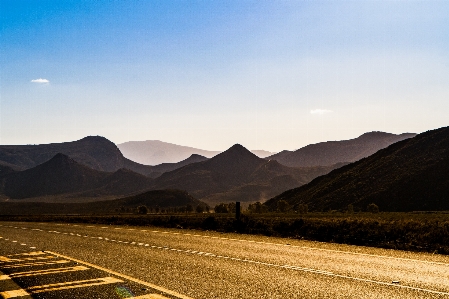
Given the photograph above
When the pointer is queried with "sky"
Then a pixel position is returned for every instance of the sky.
(272, 75)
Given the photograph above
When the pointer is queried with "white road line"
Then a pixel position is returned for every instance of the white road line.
(314, 248)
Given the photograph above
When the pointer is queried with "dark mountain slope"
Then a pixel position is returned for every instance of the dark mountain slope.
(122, 182)
(59, 175)
(409, 175)
(332, 152)
(63, 175)
(236, 174)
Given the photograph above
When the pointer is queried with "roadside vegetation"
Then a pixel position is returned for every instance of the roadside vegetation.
(413, 231)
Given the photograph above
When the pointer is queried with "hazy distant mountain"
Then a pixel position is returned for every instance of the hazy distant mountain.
(63, 175)
(153, 152)
(331, 152)
(236, 174)
(93, 151)
(157, 198)
(409, 175)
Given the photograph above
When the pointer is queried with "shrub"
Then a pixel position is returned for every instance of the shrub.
(142, 210)
(302, 209)
(221, 208)
(283, 206)
(257, 207)
(350, 209)
(372, 208)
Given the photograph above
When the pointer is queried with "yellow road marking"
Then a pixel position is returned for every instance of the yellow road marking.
(30, 253)
(43, 272)
(73, 284)
(27, 259)
(156, 287)
(35, 264)
(60, 286)
(151, 296)
(13, 294)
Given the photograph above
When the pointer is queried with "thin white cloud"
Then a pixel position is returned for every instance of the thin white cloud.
(320, 111)
(40, 80)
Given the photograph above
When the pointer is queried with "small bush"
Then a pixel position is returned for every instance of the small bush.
(142, 210)
(372, 208)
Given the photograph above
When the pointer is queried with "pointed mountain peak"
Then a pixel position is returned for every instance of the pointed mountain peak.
(235, 154)
(238, 146)
(238, 150)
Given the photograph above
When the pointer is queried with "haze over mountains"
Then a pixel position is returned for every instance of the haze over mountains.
(93, 168)
(331, 152)
(409, 175)
(237, 174)
(154, 152)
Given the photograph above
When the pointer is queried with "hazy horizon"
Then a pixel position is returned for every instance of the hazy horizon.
(274, 75)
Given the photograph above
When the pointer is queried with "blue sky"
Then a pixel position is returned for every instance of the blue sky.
(270, 75)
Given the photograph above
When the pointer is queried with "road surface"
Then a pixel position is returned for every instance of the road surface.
(49, 260)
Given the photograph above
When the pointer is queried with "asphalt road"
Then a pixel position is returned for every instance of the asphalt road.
(47, 260)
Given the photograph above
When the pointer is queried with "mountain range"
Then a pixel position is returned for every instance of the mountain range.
(332, 152)
(409, 175)
(154, 152)
(234, 175)
(237, 174)
(93, 168)
(95, 152)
